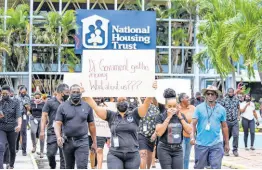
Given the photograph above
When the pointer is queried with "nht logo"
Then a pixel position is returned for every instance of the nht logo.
(95, 32)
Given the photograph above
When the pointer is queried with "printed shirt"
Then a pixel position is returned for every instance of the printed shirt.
(23, 101)
(209, 137)
(232, 108)
(149, 121)
(11, 111)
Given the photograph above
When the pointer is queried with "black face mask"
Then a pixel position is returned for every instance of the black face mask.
(122, 106)
(23, 95)
(230, 96)
(65, 97)
(5, 98)
(75, 97)
(248, 100)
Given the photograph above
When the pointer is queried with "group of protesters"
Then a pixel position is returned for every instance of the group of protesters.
(142, 129)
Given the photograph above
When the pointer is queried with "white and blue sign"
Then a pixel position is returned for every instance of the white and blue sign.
(115, 30)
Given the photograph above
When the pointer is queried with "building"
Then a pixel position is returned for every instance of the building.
(42, 63)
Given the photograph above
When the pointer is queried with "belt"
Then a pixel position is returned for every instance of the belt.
(172, 145)
(73, 138)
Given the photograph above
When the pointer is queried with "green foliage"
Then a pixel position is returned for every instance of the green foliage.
(68, 57)
(233, 28)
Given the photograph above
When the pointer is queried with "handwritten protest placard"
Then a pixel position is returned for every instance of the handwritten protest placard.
(118, 73)
(102, 128)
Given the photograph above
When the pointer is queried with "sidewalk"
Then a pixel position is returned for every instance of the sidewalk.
(26, 162)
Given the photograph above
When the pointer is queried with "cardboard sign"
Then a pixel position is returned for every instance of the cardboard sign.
(110, 73)
(102, 128)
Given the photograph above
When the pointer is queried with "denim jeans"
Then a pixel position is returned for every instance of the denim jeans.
(209, 154)
(120, 160)
(170, 157)
(186, 151)
(34, 130)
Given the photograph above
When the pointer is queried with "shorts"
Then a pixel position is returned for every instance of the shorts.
(99, 140)
(145, 143)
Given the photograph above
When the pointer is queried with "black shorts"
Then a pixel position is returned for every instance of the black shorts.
(145, 143)
(99, 140)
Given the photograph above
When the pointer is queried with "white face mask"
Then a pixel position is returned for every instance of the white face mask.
(132, 100)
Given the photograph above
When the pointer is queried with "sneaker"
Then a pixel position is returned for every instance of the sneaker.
(227, 154)
(235, 153)
(252, 148)
(24, 154)
(41, 155)
(34, 149)
(246, 149)
(153, 166)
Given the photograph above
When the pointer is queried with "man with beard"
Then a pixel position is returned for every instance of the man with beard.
(232, 105)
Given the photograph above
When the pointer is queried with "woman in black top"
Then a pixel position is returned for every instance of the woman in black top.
(36, 106)
(10, 124)
(124, 151)
(169, 128)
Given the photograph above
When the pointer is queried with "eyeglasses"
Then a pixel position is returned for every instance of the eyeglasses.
(212, 94)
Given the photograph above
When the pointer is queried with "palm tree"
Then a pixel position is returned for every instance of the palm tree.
(18, 33)
(212, 33)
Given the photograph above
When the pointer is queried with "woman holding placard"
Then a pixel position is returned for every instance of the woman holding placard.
(124, 151)
(169, 128)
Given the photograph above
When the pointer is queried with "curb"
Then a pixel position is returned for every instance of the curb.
(233, 166)
(33, 161)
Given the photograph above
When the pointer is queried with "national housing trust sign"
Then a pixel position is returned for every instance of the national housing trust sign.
(115, 30)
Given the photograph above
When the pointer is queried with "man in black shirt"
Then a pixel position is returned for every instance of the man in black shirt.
(10, 124)
(74, 115)
(49, 113)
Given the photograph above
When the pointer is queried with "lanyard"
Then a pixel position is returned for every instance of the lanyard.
(116, 123)
(212, 111)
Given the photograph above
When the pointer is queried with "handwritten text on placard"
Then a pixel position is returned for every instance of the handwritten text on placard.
(119, 73)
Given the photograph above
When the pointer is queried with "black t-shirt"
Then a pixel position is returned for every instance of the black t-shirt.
(51, 107)
(75, 118)
(174, 132)
(125, 129)
(36, 109)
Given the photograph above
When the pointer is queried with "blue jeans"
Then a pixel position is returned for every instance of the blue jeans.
(186, 151)
(209, 154)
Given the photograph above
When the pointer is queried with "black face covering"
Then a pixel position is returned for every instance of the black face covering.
(23, 95)
(75, 97)
(248, 100)
(65, 97)
(230, 96)
(5, 98)
(122, 106)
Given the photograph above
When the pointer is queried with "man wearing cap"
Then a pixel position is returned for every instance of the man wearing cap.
(208, 119)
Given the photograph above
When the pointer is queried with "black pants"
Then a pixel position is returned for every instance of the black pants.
(7, 154)
(170, 157)
(233, 130)
(51, 153)
(120, 160)
(76, 152)
(248, 125)
(22, 133)
(10, 138)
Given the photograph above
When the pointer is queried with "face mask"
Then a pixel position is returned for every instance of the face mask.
(23, 95)
(65, 97)
(248, 100)
(122, 106)
(75, 97)
(5, 97)
(230, 96)
(198, 98)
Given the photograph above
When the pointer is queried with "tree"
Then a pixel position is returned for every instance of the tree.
(232, 29)
(212, 33)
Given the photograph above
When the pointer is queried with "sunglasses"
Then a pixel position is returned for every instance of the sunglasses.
(212, 94)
